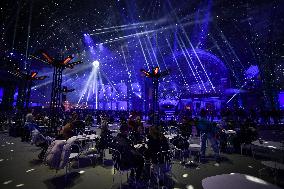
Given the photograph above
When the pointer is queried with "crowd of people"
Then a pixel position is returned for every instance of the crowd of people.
(133, 131)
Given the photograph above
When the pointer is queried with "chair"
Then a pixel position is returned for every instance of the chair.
(274, 164)
(194, 146)
(90, 149)
(103, 145)
(62, 157)
(162, 167)
(116, 158)
(173, 129)
(74, 156)
(246, 146)
(181, 144)
(182, 153)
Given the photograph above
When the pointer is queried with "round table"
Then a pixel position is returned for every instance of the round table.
(271, 149)
(236, 181)
(230, 132)
(171, 136)
(195, 146)
(273, 165)
(140, 145)
(269, 144)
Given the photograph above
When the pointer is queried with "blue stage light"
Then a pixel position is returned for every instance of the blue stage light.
(96, 64)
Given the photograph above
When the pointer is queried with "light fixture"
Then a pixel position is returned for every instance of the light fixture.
(96, 64)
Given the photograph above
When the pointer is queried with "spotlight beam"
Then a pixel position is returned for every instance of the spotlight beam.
(184, 32)
(169, 45)
(153, 50)
(236, 92)
(190, 66)
(226, 60)
(86, 86)
(195, 67)
(127, 36)
(149, 54)
(104, 74)
(230, 46)
(148, 32)
(143, 52)
(126, 25)
(193, 49)
(127, 69)
(48, 82)
(158, 47)
(116, 30)
(67, 74)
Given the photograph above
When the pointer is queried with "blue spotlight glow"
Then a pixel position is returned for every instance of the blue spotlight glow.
(96, 64)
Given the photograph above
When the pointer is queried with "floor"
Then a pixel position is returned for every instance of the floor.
(20, 168)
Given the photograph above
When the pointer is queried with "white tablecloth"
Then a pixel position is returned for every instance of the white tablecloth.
(140, 145)
(87, 137)
(236, 181)
(269, 144)
(273, 165)
(230, 132)
(170, 136)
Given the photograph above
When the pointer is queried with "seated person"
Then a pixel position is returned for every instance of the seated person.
(40, 141)
(132, 124)
(67, 131)
(71, 128)
(130, 157)
(79, 126)
(89, 120)
(29, 126)
(140, 135)
(105, 139)
(186, 127)
(29, 116)
(137, 136)
(157, 142)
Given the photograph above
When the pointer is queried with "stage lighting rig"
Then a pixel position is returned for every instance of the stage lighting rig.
(33, 75)
(24, 96)
(59, 65)
(25, 76)
(65, 91)
(155, 75)
(63, 63)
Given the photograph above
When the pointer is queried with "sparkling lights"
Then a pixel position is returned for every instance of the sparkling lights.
(202, 45)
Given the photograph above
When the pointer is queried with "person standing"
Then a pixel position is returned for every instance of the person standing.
(207, 132)
(29, 126)
(30, 116)
(130, 157)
